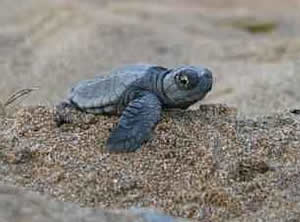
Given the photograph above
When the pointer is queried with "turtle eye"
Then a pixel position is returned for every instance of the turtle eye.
(184, 80)
(187, 79)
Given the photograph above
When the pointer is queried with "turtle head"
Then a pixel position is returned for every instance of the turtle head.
(186, 85)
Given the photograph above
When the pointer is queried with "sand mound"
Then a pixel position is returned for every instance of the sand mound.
(17, 205)
(204, 164)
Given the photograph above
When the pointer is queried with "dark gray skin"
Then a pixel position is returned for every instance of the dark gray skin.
(138, 93)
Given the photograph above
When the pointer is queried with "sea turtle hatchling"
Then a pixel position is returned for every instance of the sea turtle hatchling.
(138, 93)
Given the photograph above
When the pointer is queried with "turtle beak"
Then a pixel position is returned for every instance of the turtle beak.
(207, 77)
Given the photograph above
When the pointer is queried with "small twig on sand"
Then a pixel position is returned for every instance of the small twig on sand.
(19, 94)
(2, 109)
(13, 98)
(295, 111)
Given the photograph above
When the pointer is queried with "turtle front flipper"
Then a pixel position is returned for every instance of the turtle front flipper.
(136, 124)
(62, 113)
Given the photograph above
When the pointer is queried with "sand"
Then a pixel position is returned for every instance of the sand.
(205, 164)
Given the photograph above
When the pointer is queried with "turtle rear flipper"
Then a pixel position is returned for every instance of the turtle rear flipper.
(136, 124)
(62, 113)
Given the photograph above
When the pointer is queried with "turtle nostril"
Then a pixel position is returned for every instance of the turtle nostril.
(210, 86)
(207, 74)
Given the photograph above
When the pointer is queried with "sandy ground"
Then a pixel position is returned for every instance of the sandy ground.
(17, 205)
(233, 169)
(53, 44)
(205, 165)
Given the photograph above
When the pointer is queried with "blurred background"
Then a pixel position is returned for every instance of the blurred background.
(252, 46)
